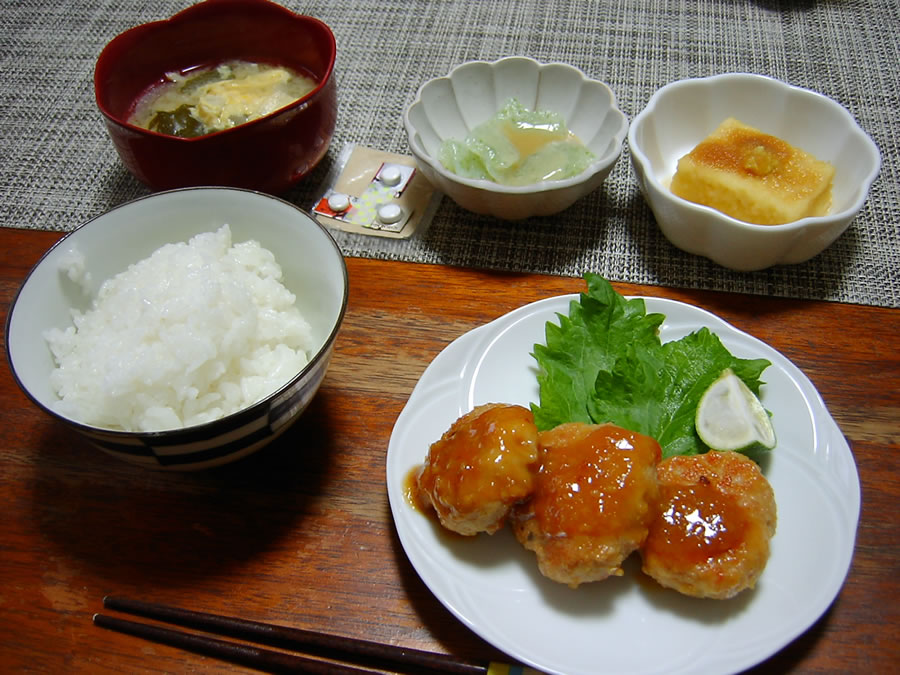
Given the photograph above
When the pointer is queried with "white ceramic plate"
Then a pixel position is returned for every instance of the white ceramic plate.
(629, 624)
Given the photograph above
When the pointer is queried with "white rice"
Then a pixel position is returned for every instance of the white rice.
(193, 333)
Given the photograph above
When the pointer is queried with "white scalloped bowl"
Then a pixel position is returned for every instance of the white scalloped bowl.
(450, 107)
(682, 113)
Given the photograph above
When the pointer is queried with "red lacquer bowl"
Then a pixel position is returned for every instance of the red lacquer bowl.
(268, 154)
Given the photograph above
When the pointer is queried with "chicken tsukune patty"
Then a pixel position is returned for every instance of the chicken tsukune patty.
(483, 465)
(592, 503)
(716, 515)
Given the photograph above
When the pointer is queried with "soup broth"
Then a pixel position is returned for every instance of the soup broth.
(206, 100)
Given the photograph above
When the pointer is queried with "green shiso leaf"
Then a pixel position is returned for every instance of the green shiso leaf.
(584, 343)
(606, 363)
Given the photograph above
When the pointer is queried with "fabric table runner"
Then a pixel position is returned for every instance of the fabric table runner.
(58, 168)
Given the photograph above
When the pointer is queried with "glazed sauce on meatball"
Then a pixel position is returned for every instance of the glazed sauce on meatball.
(482, 459)
(697, 523)
(595, 483)
(411, 489)
(710, 537)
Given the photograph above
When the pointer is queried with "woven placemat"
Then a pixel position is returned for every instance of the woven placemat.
(58, 168)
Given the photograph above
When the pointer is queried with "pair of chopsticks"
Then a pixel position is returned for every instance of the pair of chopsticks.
(323, 653)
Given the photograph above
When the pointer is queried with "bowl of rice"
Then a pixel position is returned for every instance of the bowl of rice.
(183, 330)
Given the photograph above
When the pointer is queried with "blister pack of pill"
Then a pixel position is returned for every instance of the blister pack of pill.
(376, 193)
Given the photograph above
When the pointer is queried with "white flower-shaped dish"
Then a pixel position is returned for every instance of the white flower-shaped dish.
(682, 113)
(450, 107)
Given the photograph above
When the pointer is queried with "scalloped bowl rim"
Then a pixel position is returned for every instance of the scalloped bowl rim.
(595, 167)
(641, 158)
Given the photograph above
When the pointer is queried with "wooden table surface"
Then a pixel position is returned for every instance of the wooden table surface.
(301, 533)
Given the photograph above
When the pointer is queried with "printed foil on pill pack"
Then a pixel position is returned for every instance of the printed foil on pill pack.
(376, 193)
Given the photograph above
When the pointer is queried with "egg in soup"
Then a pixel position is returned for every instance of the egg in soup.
(203, 101)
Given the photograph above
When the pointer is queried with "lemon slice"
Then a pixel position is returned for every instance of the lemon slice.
(730, 417)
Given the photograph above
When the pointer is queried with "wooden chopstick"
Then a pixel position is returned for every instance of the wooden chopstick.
(325, 653)
(267, 660)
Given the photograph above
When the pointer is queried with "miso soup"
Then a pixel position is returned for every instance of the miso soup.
(206, 100)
